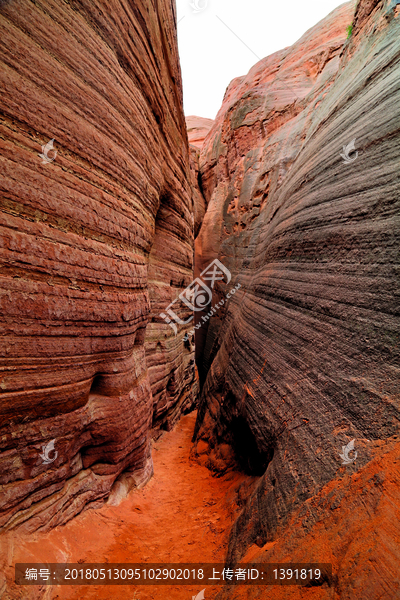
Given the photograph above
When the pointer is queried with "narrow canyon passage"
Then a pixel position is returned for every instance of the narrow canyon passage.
(183, 514)
(200, 332)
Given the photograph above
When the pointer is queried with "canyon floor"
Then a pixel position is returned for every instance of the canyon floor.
(183, 514)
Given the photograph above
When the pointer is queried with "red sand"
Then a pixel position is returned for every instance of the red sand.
(183, 514)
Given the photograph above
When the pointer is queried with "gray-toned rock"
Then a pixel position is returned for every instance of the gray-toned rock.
(305, 357)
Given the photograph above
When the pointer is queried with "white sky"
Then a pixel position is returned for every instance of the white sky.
(211, 55)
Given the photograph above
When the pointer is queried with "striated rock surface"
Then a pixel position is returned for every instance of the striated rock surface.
(305, 357)
(94, 245)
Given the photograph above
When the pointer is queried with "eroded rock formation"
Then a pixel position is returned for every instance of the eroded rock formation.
(197, 129)
(95, 244)
(305, 357)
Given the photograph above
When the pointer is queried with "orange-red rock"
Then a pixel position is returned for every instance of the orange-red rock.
(353, 524)
(95, 244)
(198, 128)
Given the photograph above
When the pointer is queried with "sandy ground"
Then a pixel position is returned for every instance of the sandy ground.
(183, 514)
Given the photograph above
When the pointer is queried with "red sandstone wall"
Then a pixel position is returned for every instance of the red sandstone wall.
(94, 245)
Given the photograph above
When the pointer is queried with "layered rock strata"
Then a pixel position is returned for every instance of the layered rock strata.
(97, 240)
(305, 357)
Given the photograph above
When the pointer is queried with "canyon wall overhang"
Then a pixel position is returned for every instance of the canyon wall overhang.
(301, 175)
(97, 241)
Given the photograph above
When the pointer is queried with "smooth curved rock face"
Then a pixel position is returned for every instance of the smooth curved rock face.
(94, 245)
(198, 128)
(305, 357)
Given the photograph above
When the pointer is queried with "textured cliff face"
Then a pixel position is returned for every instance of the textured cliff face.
(305, 357)
(95, 244)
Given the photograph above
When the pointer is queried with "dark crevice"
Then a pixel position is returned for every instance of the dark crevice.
(252, 459)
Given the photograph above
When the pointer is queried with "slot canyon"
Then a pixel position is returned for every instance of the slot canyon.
(200, 318)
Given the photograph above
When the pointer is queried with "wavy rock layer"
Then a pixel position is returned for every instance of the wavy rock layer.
(94, 246)
(305, 358)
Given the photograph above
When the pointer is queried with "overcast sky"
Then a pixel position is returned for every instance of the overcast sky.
(224, 40)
